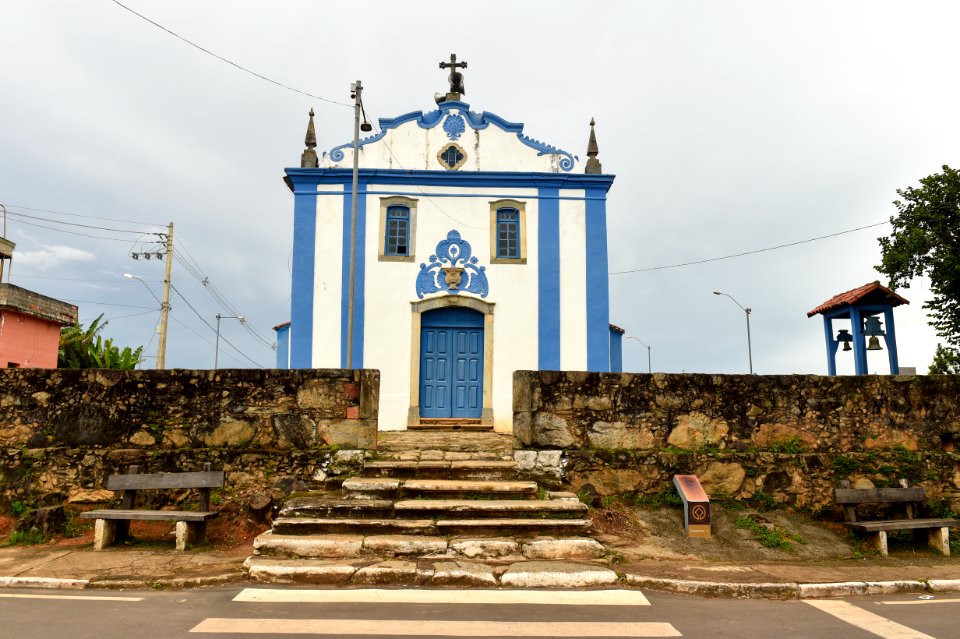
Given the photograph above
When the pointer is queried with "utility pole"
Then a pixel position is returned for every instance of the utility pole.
(357, 90)
(165, 305)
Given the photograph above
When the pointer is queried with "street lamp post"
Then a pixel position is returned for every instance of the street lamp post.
(164, 308)
(649, 364)
(747, 312)
(216, 352)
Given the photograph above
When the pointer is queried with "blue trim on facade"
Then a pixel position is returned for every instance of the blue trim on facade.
(302, 264)
(478, 179)
(283, 345)
(358, 280)
(477, 121)
(548, 275)
(598, 286)
(616, 351)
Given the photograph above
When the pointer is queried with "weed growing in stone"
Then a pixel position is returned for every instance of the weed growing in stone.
(25, 538)
(768, 535)
(18, 508)
(790, 445)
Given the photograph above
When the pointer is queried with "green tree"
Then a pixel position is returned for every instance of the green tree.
(946, 361)
(925, 240)
(85, 348)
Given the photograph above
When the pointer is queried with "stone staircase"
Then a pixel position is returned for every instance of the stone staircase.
(427, 497)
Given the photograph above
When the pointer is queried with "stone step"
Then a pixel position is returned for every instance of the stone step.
(496, 549)
(345, 526)
(380, 488)
(490, 508)
(512, 527)
(484, 469)
(522, 574)
(324, 506)
(491, 445)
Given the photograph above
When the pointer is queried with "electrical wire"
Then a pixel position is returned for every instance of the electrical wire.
(223, 59)
(107, 304)
(222, 338)
(53, 228)
(86, 226)
(89, 217)
(754, 252)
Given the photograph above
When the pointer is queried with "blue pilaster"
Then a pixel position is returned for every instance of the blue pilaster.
(598, 282)
(302, 265)
(548, 275)
(283, 345)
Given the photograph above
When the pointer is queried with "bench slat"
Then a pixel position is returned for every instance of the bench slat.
(160, 481)
(901, 524)
(150, 515)
(878, 495)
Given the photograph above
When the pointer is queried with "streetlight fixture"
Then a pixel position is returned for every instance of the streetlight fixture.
(649, 365)
(216, 352)
(747, 312)
(164, 310)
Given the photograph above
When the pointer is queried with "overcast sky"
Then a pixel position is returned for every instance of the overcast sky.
(731, 127)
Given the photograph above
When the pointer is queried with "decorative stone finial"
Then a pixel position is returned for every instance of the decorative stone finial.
(593, 164)
(308, 159)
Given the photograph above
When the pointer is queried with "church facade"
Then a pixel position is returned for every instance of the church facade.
(477, 251)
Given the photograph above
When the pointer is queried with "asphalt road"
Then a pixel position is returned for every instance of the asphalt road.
(236, 612)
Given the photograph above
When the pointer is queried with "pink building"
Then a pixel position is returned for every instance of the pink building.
(30, 327)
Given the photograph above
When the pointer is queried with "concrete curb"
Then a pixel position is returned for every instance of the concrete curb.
(43, 582)
(173, 583)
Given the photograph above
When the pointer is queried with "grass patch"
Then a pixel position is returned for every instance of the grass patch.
(25, 538)
(791, 445)
(659, 500)
(767, 534)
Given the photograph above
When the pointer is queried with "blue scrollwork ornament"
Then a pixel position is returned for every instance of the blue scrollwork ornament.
(454, 126)
(453, 268)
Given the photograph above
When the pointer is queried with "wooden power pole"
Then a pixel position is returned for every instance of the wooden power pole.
(165, 305)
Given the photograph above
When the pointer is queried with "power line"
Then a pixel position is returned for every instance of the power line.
(230, 62)
(89, 217)
(53, 228)
(202, 319)
(86, 226)
(754, 252)
(107, 304)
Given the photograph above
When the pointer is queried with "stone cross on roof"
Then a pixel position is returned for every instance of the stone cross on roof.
(455, 78)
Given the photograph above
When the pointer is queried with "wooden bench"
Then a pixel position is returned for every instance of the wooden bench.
(938, 530)
(113, 524)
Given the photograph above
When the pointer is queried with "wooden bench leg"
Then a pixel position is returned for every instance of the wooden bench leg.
(939, 538)
(190, 532)
(104, 532)
(878, 540)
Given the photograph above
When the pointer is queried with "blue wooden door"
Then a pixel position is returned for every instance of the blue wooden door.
(451, 363)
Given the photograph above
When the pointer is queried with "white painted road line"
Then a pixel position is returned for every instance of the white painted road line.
(865, 620)
(78, 597)
(433, 628)
(916, 602)
(375, 595)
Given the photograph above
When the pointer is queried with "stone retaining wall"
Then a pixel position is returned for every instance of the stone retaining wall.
(64, 431)
(787, 438)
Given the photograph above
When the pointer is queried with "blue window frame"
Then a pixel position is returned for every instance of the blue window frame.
(397, 241)
(508, 233)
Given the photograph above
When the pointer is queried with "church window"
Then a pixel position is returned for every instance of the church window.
(508, 242)
(452, 156)
(508, 233)
(398, 231)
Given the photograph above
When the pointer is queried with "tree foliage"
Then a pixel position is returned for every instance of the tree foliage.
(925, 240)
(946, 361)
(85, 348)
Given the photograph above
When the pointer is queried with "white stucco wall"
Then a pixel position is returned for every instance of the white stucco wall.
(409, 146)
(573, 282)
(327, 277)
(390, 289)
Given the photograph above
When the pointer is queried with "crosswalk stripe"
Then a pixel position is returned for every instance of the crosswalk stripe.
(866, 620)
(375, 595)
(434, 628)
(918, 602)
(80, 597)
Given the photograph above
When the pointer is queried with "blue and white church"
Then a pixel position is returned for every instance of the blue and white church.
(476, 251)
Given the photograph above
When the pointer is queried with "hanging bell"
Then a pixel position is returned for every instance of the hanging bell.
(846, 346)
(843, 335)
(874, 344)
